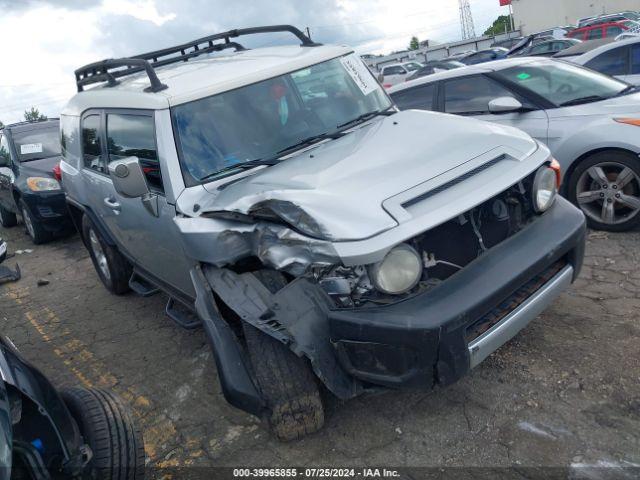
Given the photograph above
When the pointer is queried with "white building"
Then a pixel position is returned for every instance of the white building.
(532, 16)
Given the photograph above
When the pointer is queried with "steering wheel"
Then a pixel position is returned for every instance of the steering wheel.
(565, 88)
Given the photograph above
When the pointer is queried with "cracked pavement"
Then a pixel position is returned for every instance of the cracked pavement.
(565, 392)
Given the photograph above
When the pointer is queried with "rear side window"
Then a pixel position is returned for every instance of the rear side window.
(611, 62)
(420, 97)
(5, 155)
(635, 59)
(614, 31)
(91, 145)
(594, 33)
(394, 71)
(471, 95)
(134, 136)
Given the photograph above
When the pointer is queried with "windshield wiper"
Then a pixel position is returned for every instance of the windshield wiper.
(309, 141)
(241, 166)
(390, 110)
(628, 89)
(581, 100)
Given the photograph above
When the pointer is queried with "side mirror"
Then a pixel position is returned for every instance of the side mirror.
(128, 177)
(504, 105)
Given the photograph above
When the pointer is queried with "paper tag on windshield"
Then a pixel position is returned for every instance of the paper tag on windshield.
(360, 73)
(28, 148)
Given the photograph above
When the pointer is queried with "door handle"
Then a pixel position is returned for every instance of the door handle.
(112, 204)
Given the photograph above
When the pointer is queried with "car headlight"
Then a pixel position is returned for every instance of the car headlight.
(398, 272)
(42, 184)
(545, 188)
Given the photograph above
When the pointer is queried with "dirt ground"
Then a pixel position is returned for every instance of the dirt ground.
(564, 393)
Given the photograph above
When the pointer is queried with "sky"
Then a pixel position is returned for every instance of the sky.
(44, 41)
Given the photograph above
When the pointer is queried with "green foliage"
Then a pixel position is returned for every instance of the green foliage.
(34, 115)
(502, 24)
(414, 44)
(1, 124)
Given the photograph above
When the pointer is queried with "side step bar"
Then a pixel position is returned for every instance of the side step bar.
(182, 315)
(142, 286)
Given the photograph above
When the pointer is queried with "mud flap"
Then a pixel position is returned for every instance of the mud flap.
(296, 315)
(237, 383)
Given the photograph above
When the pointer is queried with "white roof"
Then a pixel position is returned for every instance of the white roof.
(585, 57)
(201, 77)
(469, 70)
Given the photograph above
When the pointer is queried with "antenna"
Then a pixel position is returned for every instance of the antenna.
(466, 20)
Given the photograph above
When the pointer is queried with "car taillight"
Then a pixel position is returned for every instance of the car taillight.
(555, 166)
(57, 172)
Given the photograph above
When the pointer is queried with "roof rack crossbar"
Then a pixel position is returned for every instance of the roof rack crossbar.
(101, 71)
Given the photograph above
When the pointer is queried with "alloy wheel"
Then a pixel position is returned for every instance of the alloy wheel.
(98, 252)
(609, 193)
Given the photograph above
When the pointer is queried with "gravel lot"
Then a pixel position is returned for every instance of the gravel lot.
(565, 392)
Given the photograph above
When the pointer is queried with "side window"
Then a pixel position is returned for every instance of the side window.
(543, 48)
(134, 136)
(594, 33)
(420, 97)
(611, 62)
(91, 146)
(471, 95)
(397, 70)
(613, 31)
(635, 59)
(5, 155)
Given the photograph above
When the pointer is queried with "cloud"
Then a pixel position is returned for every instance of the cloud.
(62, 35)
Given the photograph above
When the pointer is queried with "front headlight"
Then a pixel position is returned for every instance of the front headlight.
(42, 184)
(398, 272)
(545, 188)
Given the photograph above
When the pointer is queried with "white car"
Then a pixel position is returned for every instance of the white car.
(620, 59)
(398, 72)
(589, 121)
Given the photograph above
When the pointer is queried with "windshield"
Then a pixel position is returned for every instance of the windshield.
(563, 84)
(36, 144)
(259, 120)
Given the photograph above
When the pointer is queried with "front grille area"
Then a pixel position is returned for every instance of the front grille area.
(514, 301)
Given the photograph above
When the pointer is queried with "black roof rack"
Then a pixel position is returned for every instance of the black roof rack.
(29, 122)
(111, 69)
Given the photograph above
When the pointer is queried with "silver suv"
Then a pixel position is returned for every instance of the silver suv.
(318, 235)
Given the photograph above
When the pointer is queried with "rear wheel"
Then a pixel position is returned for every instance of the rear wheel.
(7, 219)
(34, 228)
(286, 381)
(606, 186)
(112, 268)
(108, 428)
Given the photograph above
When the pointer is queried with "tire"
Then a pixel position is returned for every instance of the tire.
(595, 181)
(113, 269)
(107, 426)
(7, 219)
(285, 380)
(34, 229)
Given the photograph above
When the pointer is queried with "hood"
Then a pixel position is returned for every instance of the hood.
(623, 105)
(340, 186)
(41, 166)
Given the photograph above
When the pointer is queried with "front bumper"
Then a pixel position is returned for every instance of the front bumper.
(438, 336)
(49, 209)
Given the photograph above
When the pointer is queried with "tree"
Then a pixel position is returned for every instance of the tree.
(414, 44)
(502, 24)
(34, 115)
(1, 124)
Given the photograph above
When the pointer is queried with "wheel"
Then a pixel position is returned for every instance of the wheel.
(285, 380)
(7, 218)
(34, 229)
(113, 269)
(606, 186)
(108, 428)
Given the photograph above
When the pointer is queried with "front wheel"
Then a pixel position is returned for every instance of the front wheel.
(112, 268)
(606, 186)
(108, 428)
(34, 229)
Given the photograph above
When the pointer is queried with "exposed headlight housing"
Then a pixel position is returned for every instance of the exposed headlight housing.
(42, 184)
(545, 187)
(398, 272)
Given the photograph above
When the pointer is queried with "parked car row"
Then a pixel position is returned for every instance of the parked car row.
(319, 235)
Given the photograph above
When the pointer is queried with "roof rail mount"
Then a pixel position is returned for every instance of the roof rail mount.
(111, 69)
